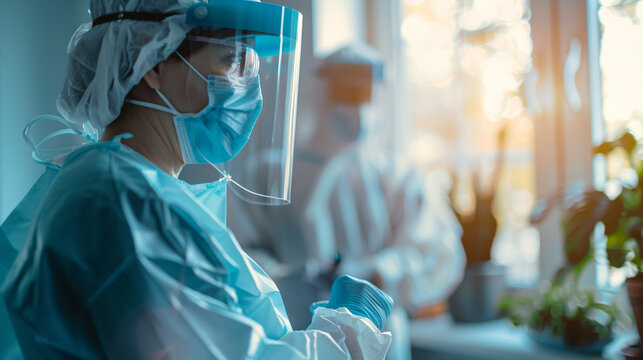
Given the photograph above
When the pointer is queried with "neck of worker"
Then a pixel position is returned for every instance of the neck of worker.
(154, 136)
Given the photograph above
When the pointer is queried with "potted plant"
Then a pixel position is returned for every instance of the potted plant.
(621, 215)
(564, 316)
(484, 280)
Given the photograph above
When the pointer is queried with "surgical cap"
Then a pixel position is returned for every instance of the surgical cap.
(107, 60)
(355, 61)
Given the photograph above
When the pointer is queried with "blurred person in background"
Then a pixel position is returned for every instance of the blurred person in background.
(356, 209)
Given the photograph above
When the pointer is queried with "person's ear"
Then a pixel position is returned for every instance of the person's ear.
(153, 77)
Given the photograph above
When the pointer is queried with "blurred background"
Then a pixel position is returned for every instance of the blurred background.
(506, 98)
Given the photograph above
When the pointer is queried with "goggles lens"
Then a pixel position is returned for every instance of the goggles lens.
(234, 58)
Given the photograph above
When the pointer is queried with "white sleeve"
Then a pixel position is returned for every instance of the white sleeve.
(337, 334)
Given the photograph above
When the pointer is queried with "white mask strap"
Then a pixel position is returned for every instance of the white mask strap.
(169, 109)
(229, 178)
(191, 66)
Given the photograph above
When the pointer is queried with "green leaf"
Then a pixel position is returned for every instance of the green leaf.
(608, 309)
(617, 239)
(631, 198)
(613, 215)
(616, 257)
(634, 228)
(580, 220)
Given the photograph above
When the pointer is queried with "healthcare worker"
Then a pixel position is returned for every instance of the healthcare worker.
(120, 259)
(371, 214)
(385, 217)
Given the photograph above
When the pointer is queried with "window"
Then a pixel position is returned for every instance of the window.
(620, 35)
(336, 23)
(558, 72)
(467, 63)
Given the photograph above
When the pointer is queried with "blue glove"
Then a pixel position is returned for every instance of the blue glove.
(360, 297)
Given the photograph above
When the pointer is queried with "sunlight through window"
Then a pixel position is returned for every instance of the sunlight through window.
(466, 62)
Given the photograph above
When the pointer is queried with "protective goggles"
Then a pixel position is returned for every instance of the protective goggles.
(234, 58)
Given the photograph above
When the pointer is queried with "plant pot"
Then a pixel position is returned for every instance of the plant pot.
(635, 291)
(475, 297)
(547, 339)
(632, 352)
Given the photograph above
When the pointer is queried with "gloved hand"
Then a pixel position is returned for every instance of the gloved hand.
(360, 297)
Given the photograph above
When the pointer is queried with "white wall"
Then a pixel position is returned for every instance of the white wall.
(337, 23)
(33, 44)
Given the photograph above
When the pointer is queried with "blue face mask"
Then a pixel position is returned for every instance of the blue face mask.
(218, 132)
(213, 196)
(346, 121)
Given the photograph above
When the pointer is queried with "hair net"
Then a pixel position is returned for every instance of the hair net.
(107, 60)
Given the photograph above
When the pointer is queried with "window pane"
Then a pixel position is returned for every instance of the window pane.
(337, 23)
(621, 56)
(466, 63)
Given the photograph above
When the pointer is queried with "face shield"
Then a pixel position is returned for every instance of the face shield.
(243, 59)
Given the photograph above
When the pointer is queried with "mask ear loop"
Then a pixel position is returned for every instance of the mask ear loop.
(169, 108)
(191, 66)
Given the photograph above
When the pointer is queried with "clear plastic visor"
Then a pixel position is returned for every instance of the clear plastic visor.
(261, 173)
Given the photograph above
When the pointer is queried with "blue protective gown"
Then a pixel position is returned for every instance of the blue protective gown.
(123, 261)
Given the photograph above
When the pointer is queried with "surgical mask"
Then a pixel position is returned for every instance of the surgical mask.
(213, 196)
(218, 132)
(346, 122)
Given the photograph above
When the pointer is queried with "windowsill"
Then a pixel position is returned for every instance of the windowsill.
(441, 338)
